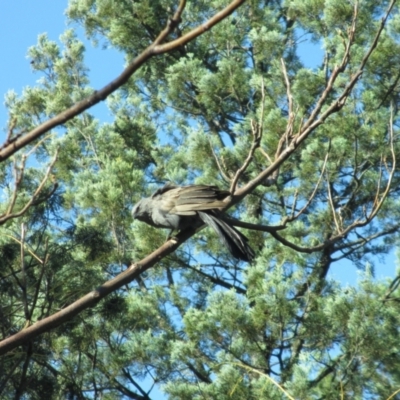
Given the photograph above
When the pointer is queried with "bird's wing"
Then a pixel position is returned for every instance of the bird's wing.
(186, 200)
(168, 186)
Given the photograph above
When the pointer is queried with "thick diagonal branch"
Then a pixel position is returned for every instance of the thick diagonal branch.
(156, 48)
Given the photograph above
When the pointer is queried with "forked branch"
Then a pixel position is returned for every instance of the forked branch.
(316, 117)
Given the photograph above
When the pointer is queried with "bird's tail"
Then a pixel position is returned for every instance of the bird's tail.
(234, 240)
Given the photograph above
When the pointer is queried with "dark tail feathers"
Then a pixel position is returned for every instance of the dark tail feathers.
(235, 241)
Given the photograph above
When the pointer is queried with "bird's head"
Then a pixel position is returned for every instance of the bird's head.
(140, 211)
(136, 210)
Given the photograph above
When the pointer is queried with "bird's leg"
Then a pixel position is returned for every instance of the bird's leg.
(170, 235)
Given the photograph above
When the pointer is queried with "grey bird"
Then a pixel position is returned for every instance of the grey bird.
(181, 207)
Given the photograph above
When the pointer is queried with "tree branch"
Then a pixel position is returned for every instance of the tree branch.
(312, 123)
(93, 297)
(14, 144)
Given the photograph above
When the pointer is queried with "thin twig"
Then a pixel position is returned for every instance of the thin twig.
(39, 281)
(21, 243)
(392, 287)
(288, 89)
(18, 172)
(254, 146)
(290, 124)
(335, 73)
(23, 276)
(376, 209)
(257, 371)
(265, 154)
(10, 132)
(221, 171)
(311, 198)
(31, 201)
(257, 131)
(332, 206)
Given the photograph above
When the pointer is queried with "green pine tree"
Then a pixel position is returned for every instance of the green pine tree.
(309, 155)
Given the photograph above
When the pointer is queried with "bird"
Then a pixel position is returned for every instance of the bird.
(181, 207)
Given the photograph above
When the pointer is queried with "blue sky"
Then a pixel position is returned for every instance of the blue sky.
(21, 22)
